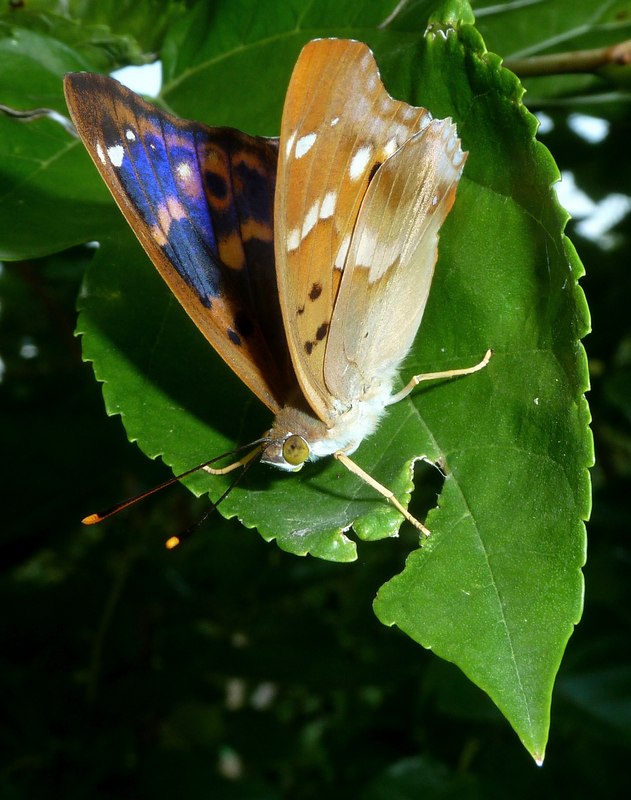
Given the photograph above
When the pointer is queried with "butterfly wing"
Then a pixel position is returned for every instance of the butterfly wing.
(390, 262)
(200, 200)
(339, 124)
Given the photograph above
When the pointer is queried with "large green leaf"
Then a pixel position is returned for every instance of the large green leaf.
(497, 588)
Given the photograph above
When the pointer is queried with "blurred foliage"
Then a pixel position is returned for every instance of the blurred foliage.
(108, 33)
(229, 669)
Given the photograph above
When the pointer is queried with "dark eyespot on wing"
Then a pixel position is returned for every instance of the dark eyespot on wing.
(308, 348)
(316, 291)
(216, 184)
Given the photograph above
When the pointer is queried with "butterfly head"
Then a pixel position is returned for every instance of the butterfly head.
(298, 436)
(289, 453)
(294, 438)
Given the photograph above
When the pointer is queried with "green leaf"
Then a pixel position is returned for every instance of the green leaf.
(498, 587)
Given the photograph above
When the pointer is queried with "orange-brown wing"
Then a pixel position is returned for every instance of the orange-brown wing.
(339, 124)
(390, 263)
(200, 200)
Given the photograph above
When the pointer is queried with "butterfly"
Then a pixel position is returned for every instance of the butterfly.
(305, 260)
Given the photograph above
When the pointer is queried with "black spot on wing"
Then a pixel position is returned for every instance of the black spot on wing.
(316, 291)
(234, 337)
(373, 170)
(319, 336)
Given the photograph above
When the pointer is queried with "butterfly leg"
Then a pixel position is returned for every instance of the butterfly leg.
(433, 376)
(351, 466)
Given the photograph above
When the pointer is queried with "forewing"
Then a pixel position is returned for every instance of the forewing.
(200, 200)
(391, 260)
(339, 124)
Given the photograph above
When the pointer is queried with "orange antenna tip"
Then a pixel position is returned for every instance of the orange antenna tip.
(172, 542)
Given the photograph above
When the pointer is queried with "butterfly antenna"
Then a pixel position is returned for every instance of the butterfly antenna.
(173, 541)
(92, 519)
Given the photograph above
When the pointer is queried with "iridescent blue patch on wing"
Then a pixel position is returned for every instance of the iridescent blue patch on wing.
(164, 184)
(193, 260)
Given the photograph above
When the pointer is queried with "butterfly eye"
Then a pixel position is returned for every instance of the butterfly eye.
(295, 450)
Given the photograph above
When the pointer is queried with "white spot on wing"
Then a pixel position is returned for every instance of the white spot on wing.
(386, 106)
(366, 248)
(183, 170)
(130, 135)
(174, 208)
(360, 162)
(158, 236)
(342, 252)
(293, 240)
(328, 205)
(100, 153)
(304, 144)
(391, 147)
(116, 153)
(334, 121)
(380, 268)
(367, 61)
(310, 219)
(425, 121)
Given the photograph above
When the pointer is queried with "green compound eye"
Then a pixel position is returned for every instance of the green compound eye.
(295, 450)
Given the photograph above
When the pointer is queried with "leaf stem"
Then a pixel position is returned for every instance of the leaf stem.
(574, 61)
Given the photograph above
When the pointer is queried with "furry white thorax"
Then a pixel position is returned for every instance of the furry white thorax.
(349, 426)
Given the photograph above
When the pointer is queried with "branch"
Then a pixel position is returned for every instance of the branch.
(618, 55)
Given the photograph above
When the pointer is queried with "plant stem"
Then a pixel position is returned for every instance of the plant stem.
(576, 61)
